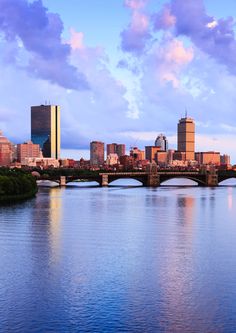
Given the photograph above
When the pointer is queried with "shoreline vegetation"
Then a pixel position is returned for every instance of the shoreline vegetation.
(16, 185)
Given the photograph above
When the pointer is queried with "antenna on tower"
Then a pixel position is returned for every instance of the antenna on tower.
(186, 113)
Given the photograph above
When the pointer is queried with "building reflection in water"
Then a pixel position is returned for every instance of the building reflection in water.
(230, 198)
(55, 217)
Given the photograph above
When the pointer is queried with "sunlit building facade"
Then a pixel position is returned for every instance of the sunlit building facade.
(186, 137)
(208, 158)
(6, 151)
(150, 152)
(45, 129)
(27, 149)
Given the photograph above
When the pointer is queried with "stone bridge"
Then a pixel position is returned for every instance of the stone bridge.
(152, 179)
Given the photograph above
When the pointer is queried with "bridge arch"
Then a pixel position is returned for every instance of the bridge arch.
(196, 181)
(48, 182)
(231, 181)
(135, 181)
(83, 183)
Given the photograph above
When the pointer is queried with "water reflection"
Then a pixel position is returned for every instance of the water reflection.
(119, 259)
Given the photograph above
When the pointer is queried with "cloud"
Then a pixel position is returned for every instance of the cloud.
(39, 32)
(135, 4)
(164, 19)
(170, 57)
(137, 34)
(214, 37)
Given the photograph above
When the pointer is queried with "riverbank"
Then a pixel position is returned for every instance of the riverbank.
(16, 185)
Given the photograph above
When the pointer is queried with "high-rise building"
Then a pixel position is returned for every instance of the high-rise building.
(6, 151)
(27, 150)
(186, 137)
(161, 142)
(45, 129)
(96, 153)
(116, 148)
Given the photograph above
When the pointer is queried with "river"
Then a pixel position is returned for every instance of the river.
(119, 259)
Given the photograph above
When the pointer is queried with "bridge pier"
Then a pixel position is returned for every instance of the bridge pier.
(63, 181)
(104, 180)
(153, 180)
(212, 179)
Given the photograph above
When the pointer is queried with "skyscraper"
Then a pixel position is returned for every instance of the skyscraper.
(96, 153)
(186, 137)
(162, 142)
(45, 129)
(116, 148)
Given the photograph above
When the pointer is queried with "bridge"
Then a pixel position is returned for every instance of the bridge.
(150, 178)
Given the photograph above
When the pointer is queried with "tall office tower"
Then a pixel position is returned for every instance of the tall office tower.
(6, 151)
(116, 148)
(162, 142)
(186, 137)
(45, 129)
(96, 153)
(120, 150)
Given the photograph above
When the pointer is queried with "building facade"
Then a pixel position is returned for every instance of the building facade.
(116, 148)
(26, 150)
(162, 142)
(6, 151)
(225, 159)
(96, 153)
(186, 137)
(45, 129)
(112, 159)
(150, 152)
(208, 158)
(137, 154)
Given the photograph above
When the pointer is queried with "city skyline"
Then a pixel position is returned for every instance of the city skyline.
(124, 84)
(45, 145)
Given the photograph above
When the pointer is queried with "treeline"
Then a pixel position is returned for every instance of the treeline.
(16, 184)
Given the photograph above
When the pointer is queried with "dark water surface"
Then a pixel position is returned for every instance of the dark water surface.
(119, 259)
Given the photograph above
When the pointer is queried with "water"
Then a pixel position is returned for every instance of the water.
(119, 259)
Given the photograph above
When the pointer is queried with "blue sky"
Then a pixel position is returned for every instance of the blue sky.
(121, 70)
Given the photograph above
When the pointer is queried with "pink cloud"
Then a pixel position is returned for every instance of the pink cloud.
(136, 35)
(164, 19)
(76, 40)
(170, 58)
(135, 4)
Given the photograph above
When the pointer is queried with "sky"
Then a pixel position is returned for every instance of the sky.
(121, 70)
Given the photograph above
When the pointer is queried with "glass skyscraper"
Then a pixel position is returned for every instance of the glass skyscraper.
(45, 129)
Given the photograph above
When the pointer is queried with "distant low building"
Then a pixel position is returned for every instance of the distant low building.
(162, 158)
(207, 158)
(127, 162)
(27, 150)
(225, 160)
(112, 159)
(6, 151)
(150, 152)
(137, 154)
(41, 162)
(179, 155)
